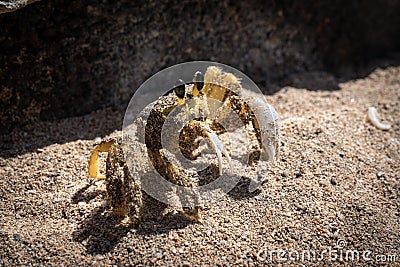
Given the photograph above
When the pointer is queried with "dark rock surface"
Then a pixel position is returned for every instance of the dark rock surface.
(67, 58)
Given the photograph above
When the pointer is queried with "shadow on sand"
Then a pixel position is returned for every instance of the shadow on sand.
(99, 123)
(102, 230)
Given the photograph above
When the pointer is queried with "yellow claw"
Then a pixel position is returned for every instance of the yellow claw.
(94, 159)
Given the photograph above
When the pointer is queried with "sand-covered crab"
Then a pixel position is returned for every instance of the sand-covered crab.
(202, 119)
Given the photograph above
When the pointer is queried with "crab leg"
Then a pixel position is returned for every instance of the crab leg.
(218, 146)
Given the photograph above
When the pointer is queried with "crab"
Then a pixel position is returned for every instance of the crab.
(203, 120)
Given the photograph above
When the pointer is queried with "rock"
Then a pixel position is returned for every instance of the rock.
(61, 59)
(13, 5)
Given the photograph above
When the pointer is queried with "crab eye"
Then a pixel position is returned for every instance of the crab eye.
(198, 80)
(179, 89)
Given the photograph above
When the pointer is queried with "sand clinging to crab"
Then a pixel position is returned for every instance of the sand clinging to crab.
(173, 128)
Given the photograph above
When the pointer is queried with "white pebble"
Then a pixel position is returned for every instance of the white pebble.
(373, 117)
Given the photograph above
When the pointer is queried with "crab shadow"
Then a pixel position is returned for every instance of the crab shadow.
(102, 230)
(241, 190)
(85, 195)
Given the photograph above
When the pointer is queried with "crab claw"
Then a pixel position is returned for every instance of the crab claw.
(94, 159)
(218, 146)
(267, 122)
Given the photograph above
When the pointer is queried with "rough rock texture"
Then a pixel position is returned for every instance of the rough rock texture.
(66, 58)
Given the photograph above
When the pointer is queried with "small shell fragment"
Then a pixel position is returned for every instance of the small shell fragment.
(373, 117)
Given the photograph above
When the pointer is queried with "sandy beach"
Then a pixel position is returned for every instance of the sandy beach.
(335, 187)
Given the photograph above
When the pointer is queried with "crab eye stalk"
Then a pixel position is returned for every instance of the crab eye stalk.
(198, 80)
(179, 89)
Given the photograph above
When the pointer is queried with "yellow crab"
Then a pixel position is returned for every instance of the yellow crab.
(203, 117)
